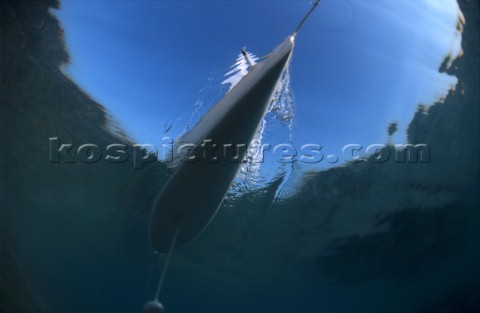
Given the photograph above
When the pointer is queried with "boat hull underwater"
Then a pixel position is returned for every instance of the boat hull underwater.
(192, 196)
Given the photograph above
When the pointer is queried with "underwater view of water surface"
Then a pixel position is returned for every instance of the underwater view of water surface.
(239, 156)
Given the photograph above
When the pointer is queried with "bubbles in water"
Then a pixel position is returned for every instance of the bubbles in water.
(277, 127)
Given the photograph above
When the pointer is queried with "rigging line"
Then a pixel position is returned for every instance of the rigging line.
(167, 261)
(306, 17)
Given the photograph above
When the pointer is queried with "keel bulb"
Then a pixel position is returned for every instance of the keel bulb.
(153, 307)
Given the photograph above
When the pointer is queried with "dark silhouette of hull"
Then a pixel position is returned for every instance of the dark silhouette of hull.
(194, 193)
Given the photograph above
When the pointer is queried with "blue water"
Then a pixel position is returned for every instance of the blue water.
(290, 237)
